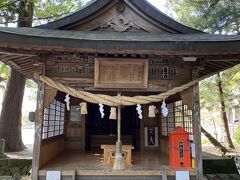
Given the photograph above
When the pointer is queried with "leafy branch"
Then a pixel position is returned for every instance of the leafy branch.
(9, 4)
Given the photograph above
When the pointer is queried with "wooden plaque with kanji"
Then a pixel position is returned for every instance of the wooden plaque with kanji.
(120, 73)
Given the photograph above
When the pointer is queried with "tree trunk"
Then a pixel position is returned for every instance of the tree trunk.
(215, 128)
(217, 144)
(11, 114)
(223, 114)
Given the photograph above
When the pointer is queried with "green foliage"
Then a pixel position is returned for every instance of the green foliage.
(236, 135)
(4, 71)
(32, 95)
(4, 74)
(8, 11)
(208, 93)
(231, 89)
(213, 16)
(31, 84)
(45, 11)
(205, 141)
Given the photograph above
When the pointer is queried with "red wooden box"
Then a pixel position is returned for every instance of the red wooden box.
(179, 149)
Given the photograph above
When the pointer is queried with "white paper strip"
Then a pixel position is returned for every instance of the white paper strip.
(164, 109)
(139, 111)
(101, 110)
(67, 100)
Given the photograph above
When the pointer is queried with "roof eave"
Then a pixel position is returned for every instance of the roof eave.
(194, 47)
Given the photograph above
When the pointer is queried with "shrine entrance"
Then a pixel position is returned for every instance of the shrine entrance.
(102, 130)
(84, 140)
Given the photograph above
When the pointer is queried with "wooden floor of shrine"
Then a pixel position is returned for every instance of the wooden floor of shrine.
(91, 163)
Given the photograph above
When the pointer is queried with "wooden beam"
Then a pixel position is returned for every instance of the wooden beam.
(197, 129)
(216, 64)
(223, 60)
(29, 72)
(230, 63)
(6, 56)
(10, 51)
(211, 68)
(23, 59)
(205, 72)
(14, 65)
(153, 85)
(14, 58)
(38, 126)
(28, 67)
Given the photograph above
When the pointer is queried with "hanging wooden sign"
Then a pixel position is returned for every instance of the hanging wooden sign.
(120, 73)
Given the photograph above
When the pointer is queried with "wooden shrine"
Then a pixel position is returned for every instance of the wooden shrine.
(103, 49)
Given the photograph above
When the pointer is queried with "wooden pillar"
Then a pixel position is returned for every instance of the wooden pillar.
(119, 142)
(83, 130)
(119, 160)
(197, 131)
(38, 126)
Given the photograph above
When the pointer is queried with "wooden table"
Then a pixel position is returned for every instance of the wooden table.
(109, 153)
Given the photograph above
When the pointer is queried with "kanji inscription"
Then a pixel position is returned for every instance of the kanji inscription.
(121, 73)
(70, 66)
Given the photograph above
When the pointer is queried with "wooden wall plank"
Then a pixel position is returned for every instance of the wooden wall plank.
(51, 149)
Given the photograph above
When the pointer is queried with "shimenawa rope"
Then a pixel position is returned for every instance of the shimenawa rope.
(113, 100)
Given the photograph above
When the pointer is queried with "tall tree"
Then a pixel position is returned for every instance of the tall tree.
(223, 111)
(11, 114)
(213, 16)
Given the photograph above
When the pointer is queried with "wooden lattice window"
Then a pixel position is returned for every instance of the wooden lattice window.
(187, 113)
(53, 122)
(179, 121)
(168, 123)
(178, 115)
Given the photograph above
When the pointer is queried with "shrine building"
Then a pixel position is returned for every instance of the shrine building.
(118, 94)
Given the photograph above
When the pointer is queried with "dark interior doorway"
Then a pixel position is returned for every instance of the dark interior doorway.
(104, 130)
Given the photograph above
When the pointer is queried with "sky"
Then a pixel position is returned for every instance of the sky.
(159, 4)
